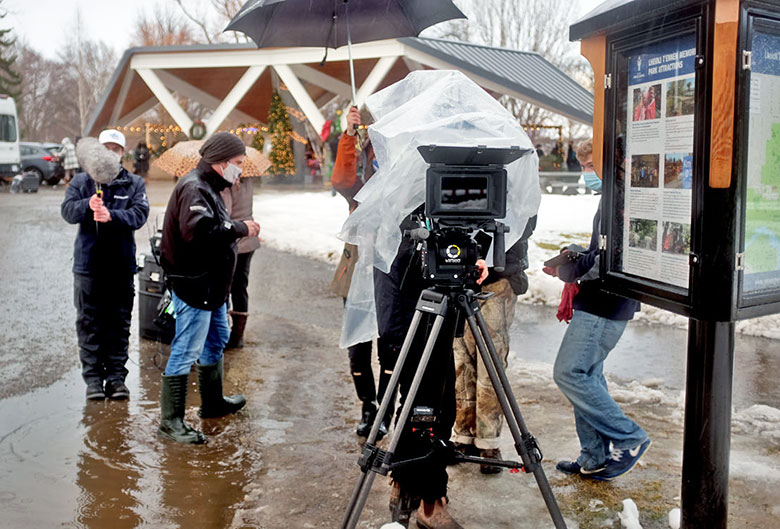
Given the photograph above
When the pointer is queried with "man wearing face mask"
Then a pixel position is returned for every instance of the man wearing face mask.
(199, 256)
(109, 204)
(610, 442)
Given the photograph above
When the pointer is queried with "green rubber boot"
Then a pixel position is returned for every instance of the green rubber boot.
(213, 403)
(172, 401)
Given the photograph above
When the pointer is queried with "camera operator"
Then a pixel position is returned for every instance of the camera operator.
(396, 294)
(199, 256)
(479, 415)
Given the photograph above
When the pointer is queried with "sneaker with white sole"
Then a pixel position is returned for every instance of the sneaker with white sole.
(621, 461)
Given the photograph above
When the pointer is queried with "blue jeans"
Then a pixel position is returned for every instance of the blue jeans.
(200, 335)
(579, 374)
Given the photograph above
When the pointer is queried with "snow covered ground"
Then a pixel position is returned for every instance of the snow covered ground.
(306, 223)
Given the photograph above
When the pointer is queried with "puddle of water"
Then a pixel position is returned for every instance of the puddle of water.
(100, 464)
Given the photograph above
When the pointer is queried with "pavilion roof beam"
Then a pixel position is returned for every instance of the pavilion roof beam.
(374, 79)
(184, 88)
(233, 98)
(301, 96)
(122, 97)
(412, 65)
(137, 112)
(166, 99)
(331, 84)
(265, 57)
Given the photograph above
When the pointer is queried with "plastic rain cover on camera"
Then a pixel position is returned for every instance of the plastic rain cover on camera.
(425, 108)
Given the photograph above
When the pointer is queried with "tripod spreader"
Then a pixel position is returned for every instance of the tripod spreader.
(375, 459)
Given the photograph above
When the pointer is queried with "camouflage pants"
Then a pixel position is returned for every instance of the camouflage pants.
(479, 415)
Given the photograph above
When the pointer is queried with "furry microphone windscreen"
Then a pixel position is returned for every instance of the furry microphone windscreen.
(100, 163)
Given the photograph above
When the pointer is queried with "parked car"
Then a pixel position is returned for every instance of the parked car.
(39, 158)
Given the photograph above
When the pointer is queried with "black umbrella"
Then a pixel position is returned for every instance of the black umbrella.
(334, 23)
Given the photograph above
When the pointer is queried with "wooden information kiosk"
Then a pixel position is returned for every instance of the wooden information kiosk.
(687, 140)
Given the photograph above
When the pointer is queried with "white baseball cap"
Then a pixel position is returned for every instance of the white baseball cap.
(112, 136)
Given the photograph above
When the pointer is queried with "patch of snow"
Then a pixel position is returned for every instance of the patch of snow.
(760, 420)
(306, 223)
(629, 518)
(753, 466)
(675, 518)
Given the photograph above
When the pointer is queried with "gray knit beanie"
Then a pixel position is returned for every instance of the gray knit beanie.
(221, 147)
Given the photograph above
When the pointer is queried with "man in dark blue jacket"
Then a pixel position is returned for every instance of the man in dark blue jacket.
(610, 442)
(109, 204)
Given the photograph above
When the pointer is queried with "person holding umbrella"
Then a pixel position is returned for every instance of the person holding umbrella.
(198, 254)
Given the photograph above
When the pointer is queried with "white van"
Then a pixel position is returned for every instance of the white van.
(10, 161)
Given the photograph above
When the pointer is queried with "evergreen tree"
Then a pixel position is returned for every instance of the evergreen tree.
(281, 155)
(258, 142)
(10, 80)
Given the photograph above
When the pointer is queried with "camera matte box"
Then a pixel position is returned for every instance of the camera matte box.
(467, 182)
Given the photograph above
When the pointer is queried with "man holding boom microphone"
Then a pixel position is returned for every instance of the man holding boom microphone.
(109, 204)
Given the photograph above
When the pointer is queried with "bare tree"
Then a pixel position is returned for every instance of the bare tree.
(211, 27)
(538, 26)
(163, 28)
(33, 102)
(89, 68)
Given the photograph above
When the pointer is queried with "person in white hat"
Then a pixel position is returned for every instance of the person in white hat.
(109, 204)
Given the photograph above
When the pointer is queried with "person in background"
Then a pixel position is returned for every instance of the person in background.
(478, 413)
(346, 180)
(109, 204)
(68, 159)
(572, 165)
(198, 255)
(141, 165)
(238, 200)
(610, 442)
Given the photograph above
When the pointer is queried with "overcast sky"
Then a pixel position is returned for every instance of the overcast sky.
(43, 24)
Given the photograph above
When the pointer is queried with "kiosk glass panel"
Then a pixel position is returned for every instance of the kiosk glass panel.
(762, 197)
(653, 163)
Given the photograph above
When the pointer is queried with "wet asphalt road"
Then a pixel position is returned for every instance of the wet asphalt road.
(288, 459)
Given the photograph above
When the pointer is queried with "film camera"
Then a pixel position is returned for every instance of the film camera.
(465, 192)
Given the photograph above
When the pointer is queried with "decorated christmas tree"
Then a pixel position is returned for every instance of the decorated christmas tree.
(281, 134)
(258, 142)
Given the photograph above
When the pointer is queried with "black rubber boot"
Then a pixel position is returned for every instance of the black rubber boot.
(236, 340)
(368, 414)
(213, 403)
(366, 392)
(172, 400)
(384, 379)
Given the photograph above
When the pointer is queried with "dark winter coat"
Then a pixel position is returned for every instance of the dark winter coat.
(109, 246)
(239, 199)
(591, 298)
(141, 160)
(516, 262)
(199, 240)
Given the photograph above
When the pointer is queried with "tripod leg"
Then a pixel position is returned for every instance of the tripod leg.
(360, 494)
(511, 410)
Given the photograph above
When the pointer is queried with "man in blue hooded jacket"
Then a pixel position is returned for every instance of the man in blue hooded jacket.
(109, 204)
(611, 443)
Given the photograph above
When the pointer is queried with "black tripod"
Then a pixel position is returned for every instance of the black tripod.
(376, 461)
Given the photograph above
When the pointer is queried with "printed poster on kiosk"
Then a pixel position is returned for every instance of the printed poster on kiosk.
(762, 199)
(659, 161)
